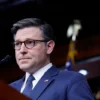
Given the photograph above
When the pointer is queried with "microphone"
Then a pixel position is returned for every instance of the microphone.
(6, 59)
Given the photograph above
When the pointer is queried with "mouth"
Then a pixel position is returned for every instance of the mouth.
(24, 59)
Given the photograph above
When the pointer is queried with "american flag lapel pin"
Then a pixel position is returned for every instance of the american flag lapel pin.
(46, 80)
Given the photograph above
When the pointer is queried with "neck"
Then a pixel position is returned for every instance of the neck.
(37, 67)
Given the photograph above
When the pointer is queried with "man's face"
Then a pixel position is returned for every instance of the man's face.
(32, 59)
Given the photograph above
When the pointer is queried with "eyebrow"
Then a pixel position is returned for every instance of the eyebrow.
(24, 40)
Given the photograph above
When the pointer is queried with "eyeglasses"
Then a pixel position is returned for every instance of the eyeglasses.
(28, 44)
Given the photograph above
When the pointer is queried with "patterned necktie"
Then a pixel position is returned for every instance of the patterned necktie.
(28, 89)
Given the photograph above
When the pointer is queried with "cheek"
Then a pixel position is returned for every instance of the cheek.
(42, 54)
(16, 54)
(39, 52)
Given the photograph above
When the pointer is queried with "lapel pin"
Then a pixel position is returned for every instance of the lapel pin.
(46, 80)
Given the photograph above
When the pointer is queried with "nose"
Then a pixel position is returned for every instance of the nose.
(23, 49)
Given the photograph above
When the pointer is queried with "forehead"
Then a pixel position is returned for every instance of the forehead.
(28, 33)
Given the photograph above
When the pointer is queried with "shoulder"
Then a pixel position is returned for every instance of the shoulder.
(70, 73)
(14, 83)
(71, 76)
(72, 79)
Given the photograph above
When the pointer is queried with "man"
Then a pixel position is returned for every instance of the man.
(33, 44)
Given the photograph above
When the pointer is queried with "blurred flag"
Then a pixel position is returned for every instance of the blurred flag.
(71, 56)
(72, 32)
(69, 65)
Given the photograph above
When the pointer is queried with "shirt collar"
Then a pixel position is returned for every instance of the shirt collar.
(38, 74)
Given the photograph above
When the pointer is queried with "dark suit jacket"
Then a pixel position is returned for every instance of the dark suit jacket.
(59, 85)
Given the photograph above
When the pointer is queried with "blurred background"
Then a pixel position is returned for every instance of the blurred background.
(77, 36)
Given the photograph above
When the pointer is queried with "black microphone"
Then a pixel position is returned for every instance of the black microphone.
(6, 59)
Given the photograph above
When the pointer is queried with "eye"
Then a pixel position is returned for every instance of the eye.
(29, 42)
(17, 43)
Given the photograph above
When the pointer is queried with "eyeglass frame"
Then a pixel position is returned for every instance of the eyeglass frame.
(34, 41)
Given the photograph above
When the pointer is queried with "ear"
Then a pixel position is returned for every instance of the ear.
(50, 46)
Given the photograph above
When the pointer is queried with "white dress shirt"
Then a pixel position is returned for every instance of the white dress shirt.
(37, 75)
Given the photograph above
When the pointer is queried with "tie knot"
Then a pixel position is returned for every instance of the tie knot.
(31, 78)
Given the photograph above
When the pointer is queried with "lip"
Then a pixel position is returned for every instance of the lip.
(24, 58)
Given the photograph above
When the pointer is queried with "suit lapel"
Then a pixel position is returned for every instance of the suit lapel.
(19, 83)
(44, 82)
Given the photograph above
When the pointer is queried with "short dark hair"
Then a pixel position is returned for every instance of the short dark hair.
(46, 29)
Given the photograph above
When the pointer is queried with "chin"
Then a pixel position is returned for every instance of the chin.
(24, 66)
